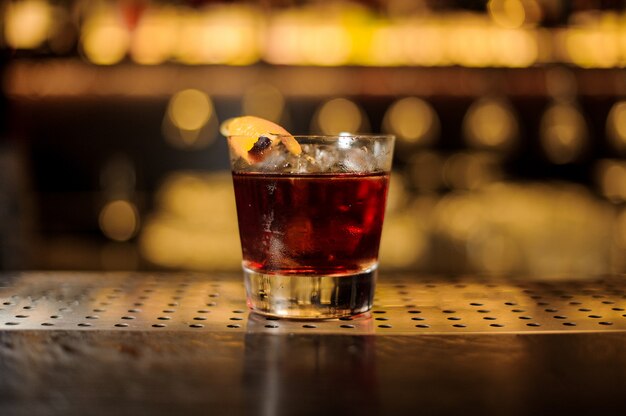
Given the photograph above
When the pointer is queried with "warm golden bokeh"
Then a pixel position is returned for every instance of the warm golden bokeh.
(510, 120)
(412, 121)
(339, 115)
(506, 34)
(491, 124)
(119, 220)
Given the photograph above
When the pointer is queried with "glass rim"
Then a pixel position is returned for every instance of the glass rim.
(324, 137)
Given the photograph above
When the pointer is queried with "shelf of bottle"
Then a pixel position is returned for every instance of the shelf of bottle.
(26, 78)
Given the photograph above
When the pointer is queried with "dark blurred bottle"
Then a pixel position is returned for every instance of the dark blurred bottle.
(13, 212)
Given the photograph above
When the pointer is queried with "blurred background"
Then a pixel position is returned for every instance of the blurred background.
(510, 117)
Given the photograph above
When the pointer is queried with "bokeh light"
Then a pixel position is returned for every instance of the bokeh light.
(219, 34)
(119, 220)
(611, 176)
(563, 133)
(194, 225)
(190, 121)
(616, 126)
(541, 229)
(325, 44)
(413, 121)
(424, 43)
(155, 38)
(507, 13)
(27, 23)
(491, 124)
(404, 241)
(190, 109)
(265, 101)
(507, 34)
(105, 39)
(339, 115)
(592, 47)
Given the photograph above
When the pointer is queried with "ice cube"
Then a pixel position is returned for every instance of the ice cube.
(357, 160)
(274, 160)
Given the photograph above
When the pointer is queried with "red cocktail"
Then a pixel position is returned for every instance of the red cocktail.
(317, 224)
(310, 212)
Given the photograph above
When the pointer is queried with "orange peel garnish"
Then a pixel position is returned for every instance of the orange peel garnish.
(245, 131)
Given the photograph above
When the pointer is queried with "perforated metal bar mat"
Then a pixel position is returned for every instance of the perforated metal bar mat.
(215, 302)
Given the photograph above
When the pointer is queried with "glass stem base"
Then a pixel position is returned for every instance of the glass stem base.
(310, 296)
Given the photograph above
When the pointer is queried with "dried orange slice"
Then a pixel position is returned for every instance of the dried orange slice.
(258, 134)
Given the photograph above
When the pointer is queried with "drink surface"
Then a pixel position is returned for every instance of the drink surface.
(314, 224)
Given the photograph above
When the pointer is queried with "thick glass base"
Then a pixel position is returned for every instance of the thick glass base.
(310, 297)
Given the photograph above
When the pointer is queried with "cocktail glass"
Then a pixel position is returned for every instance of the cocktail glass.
(310, 223)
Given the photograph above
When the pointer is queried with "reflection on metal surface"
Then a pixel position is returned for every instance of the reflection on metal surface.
(403, 305)
(277, 368)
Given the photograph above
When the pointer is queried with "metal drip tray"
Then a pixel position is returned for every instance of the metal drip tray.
(404, 305)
